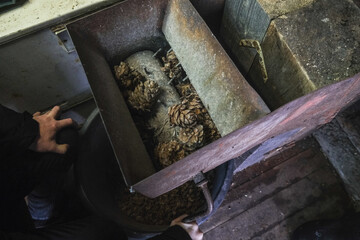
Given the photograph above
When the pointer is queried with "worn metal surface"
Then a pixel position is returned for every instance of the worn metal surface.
(244, 19)
(150, 67)
(103, 40)
(229, 99)
(123, 29)
(256, 45)
(305, 114)
(35, 73)
(211, 11)
(201, 182)
(109, 36)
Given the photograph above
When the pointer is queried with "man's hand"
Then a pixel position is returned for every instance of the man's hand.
(191, 228)
(48, 127)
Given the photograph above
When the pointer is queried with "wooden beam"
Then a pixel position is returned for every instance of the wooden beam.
(299, 117)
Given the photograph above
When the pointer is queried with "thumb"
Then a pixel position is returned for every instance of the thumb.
(178, 219)
(36, 114)
(61, 148)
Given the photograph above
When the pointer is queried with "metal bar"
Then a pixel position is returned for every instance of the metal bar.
(202, 182)
(156, 53)
(255, 44)
(298, 118)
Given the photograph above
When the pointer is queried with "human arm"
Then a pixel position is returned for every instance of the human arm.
(22, 131)
(48, 127)
(17, 131)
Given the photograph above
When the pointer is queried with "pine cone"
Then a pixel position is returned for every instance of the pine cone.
(144, 95)
(127, 77)
(194, 103)
(185, 89)
(171, 67)
(181, 116)
(169, 153)
(210, 130)
(122, 69)
(192, 137)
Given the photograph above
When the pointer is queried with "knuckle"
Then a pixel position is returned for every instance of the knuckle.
(54, 125)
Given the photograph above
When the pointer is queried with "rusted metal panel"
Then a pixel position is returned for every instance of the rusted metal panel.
(211, 11)
(301, 116)
(103, 40)
(109, 36)
(229, 99)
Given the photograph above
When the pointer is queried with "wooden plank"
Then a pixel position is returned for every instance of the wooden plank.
(287, 80)
(306, 49)
(269, 213)
(349, 120)
(245, 196)
(325, 208)
(273, 159)
(324, 38)
(343, 155)
(300, 117)
(244, 19)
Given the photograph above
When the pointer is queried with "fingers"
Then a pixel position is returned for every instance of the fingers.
(36, 114)
(65, 123)
(191, 228)
(55, 112)
(61, 148)
(178, 219)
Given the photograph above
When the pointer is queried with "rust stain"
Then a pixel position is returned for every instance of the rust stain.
(224, 70)
(171, 173)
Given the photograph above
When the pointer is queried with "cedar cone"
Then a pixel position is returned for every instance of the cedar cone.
(185, 89)
(210, 129)
(192, 137)
(127, 77)
(169, 152)
(181, 116)
(194, 104)
(171, 68)
(144, 95)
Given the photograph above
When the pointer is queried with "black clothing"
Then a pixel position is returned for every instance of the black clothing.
(22, 170)
(17, 132)
(87, 228)
(173, 233)
(346, 228)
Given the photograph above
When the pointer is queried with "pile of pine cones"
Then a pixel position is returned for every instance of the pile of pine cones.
(162, 210)
(192, 122)
(139, 93)
(194, 128)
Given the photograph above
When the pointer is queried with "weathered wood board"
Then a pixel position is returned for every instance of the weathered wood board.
(300, 188)
(300, 117)
(306, 44)
(340, 142)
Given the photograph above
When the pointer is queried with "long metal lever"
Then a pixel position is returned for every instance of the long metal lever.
(201, 182)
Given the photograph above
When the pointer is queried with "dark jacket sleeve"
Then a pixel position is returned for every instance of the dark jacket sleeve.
(173, 233)
(17, 132)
